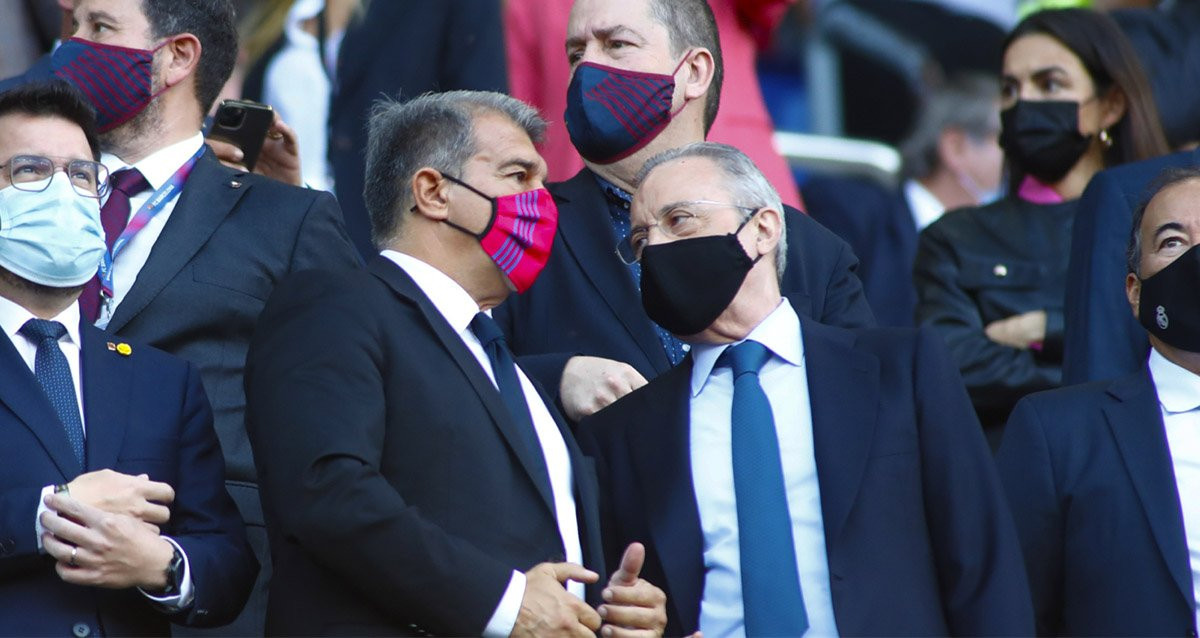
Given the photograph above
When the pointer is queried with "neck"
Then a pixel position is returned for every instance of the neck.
(1071, 186)
(1189, 361)
(482, 280)
(683, 130)
(758, 297)
(946, 188)
(151, 132)
(43, 302)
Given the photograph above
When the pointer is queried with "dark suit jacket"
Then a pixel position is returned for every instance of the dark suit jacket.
(585, 302)
(143, 413)
(918, 538)
(1092, 489)
(401, 49)
(231, 238)
(878, 224)
(1103, 339)
(396, 492)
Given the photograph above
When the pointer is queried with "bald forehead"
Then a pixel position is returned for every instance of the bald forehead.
(1178, 203)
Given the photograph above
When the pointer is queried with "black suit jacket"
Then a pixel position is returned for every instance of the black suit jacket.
(401, 49)
(918, 538)
(1092, 488)
(585, 302)
(396, 494)
(143, 413)
(1103, 339)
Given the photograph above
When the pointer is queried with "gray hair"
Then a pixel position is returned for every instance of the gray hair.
(969, 103)
(1168, 178)
(434, 130)
(689, 24)
(745, 183)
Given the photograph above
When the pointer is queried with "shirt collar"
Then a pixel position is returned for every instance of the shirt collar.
(450, 299)
(160, 165)
(14, 316)
(779, 332)
(1178, 388)
(926, 207)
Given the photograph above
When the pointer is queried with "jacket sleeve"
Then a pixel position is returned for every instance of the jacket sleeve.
(322, 242)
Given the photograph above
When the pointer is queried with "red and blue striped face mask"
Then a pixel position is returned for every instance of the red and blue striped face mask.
(115, 80)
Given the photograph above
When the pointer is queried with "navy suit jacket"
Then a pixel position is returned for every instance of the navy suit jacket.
(585, 301)
(1103, 340)
(918, 538)
(143, 413)
(1093, 492)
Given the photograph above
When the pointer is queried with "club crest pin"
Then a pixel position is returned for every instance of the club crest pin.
(122, 349)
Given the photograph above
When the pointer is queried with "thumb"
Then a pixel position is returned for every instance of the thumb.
(631, 565)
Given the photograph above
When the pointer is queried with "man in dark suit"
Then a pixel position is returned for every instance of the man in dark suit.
(1102, 341)
(414, 479)
(198, 246)
(114, 517)
(587, 301)
(444, 45)
(1104, 478)
(835, 482)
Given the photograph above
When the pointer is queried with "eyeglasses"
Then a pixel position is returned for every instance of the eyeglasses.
(680, 220)
(33, 173)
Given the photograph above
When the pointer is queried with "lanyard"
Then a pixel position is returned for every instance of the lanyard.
(147, 212)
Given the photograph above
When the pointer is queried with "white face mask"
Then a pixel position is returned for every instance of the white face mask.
(53, 238)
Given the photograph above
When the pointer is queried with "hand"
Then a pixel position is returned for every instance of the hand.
(118, 493)
(548, 609)
(279, 158)
(1019, 331)
(590, 384)
(115, 551)
(632, 606)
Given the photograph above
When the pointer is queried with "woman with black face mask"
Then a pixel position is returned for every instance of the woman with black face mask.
(991, 279)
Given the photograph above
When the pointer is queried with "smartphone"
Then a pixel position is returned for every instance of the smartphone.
(244, 124)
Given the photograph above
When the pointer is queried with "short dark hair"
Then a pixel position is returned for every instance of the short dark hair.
(690, 23)
(213, 23)
(53, 99)
(1166, 179)
(435, 130)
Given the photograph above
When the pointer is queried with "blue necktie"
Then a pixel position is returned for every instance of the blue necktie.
(773, 604)
(492, 339)
(51, 369)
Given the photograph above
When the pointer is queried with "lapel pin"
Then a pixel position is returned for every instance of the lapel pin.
(235, 184)
(112, 347)
(124, 350)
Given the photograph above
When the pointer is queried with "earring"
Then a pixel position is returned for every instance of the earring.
(1105, 138)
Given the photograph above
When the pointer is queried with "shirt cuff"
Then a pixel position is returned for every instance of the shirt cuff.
(187, 593)
(37, 520)
(505, 617)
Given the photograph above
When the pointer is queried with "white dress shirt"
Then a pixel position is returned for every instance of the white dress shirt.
(785, 383)
(12, 317)
(157, 168)
(1179, 399)
(458, 308)
(925, 206)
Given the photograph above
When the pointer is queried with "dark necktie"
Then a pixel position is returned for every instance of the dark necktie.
(114, 216)
(773, 604)
(51, 369)
(492, 339)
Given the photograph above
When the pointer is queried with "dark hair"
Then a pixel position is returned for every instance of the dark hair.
(690, 23)
(212, 22)
(1166, 179)
(1110, 60)
(53, 99)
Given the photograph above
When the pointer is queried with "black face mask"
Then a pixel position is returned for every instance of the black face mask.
(1170, 302)
(1043, 138)
(688, 283)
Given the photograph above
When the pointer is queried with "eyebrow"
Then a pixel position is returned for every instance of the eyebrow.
(94, 16)
(606, 33)
(1167, 226)
(526, 164)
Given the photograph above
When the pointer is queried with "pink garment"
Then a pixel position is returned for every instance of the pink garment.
(535, 31)
(1035, 192)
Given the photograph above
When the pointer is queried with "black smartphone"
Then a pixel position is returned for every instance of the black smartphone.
(244, 124)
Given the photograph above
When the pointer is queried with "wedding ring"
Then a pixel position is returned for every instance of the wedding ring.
(74, 553)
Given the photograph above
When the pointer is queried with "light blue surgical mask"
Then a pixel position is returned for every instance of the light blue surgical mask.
(53, 237)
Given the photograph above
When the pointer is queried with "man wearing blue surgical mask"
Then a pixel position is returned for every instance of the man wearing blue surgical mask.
(646, 77)
(111, 466)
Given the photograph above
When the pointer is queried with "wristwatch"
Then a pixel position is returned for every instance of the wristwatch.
(174, 574)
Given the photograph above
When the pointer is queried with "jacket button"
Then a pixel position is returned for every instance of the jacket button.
(81, 630)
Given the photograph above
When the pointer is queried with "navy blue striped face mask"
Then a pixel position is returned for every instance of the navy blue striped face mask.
(115, 80)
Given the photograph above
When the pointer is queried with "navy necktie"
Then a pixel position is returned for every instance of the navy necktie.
(773, 604)
(505, 370)
(51, 369)
(114, 216)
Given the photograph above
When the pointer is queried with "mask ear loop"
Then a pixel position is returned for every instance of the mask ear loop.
(495, 209)
(677, 67)
(742, 225)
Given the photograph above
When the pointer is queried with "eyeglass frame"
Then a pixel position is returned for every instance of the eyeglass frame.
(102, 174)
(625, 245)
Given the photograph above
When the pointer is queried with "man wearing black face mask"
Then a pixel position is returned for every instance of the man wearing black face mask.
(1104, 478)
(788, 476)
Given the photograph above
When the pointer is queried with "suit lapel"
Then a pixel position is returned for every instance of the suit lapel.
(662, 461)
(21, 392)
(1136, 423)
(209, 195)
(587, 234)
(843, 391)
(107, 391)
(402, 284)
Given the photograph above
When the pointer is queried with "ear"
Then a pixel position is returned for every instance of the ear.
(182, 57)
(1112, 107)
(1133, 292)
(698, 71)
(430, 194)
(769, 227)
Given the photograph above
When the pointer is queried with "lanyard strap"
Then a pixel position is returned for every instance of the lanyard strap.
(148, 211)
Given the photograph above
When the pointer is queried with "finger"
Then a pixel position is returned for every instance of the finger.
(59, 549)
(87, 576)
(632, 616)
(570, 571)
(290, 140)
(158, 492)
(226, 152)
(155, 514)
(643, 594)
(67, 530)
(637, 380)
(587, 616)
(615, 631)
(631, 566)
(74, 509)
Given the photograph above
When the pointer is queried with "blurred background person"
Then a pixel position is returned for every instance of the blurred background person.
(991, 279)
